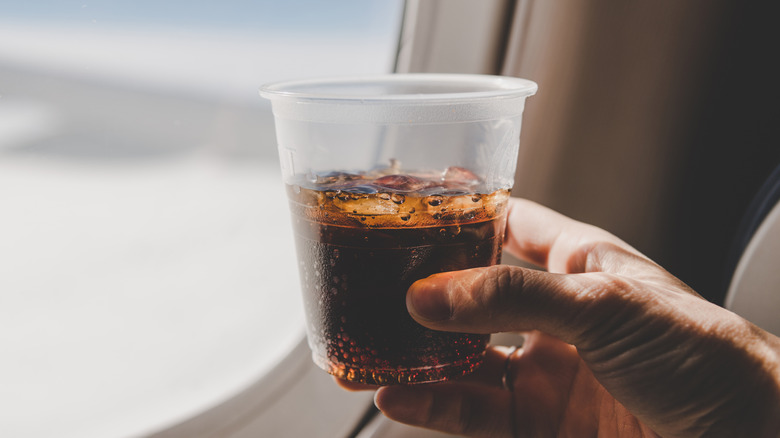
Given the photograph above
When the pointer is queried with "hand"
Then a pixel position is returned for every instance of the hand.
(619, 346)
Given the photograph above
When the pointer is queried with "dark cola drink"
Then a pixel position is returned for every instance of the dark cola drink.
(362, 240)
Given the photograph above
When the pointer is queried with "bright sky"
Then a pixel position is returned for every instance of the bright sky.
(299, 16)
(202, 47)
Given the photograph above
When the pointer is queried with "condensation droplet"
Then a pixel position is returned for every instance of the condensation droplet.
(435, 200)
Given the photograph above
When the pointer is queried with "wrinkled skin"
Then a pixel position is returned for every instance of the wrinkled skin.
(615, 346)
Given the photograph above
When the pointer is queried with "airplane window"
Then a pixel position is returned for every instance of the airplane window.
(146, 264)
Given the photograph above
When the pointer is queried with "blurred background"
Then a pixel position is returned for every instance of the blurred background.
(76, 75)
(146, 265)
(654, 120)
(144, 240)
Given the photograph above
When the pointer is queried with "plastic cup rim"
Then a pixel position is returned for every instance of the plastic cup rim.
(500, 87)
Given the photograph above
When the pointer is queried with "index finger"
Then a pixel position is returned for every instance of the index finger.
(541, 236)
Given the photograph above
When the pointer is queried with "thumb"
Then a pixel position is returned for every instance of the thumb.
(508, 298)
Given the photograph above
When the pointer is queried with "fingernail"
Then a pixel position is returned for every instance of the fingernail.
(429, 299)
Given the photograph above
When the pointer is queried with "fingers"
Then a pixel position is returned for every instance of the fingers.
(603, 282)
(491, 372)
(458, 408)
(475, 405)
(546, 238)
(508, 298)
(542, 375)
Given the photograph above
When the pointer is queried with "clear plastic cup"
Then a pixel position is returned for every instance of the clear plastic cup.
(391, 179)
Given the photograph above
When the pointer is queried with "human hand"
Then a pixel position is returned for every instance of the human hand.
(619, 347)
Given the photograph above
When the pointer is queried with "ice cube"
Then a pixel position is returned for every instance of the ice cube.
(362, 189)
(402, 183)
(333, 178)
(460, 176)
(366, 205)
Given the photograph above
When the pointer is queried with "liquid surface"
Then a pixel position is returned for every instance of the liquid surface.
(362, 240)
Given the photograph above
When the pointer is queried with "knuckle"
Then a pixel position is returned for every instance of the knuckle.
(597, 255)
(605, 256)
(606, 295)
(604, 287)
(608, 306)
(497, 286)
